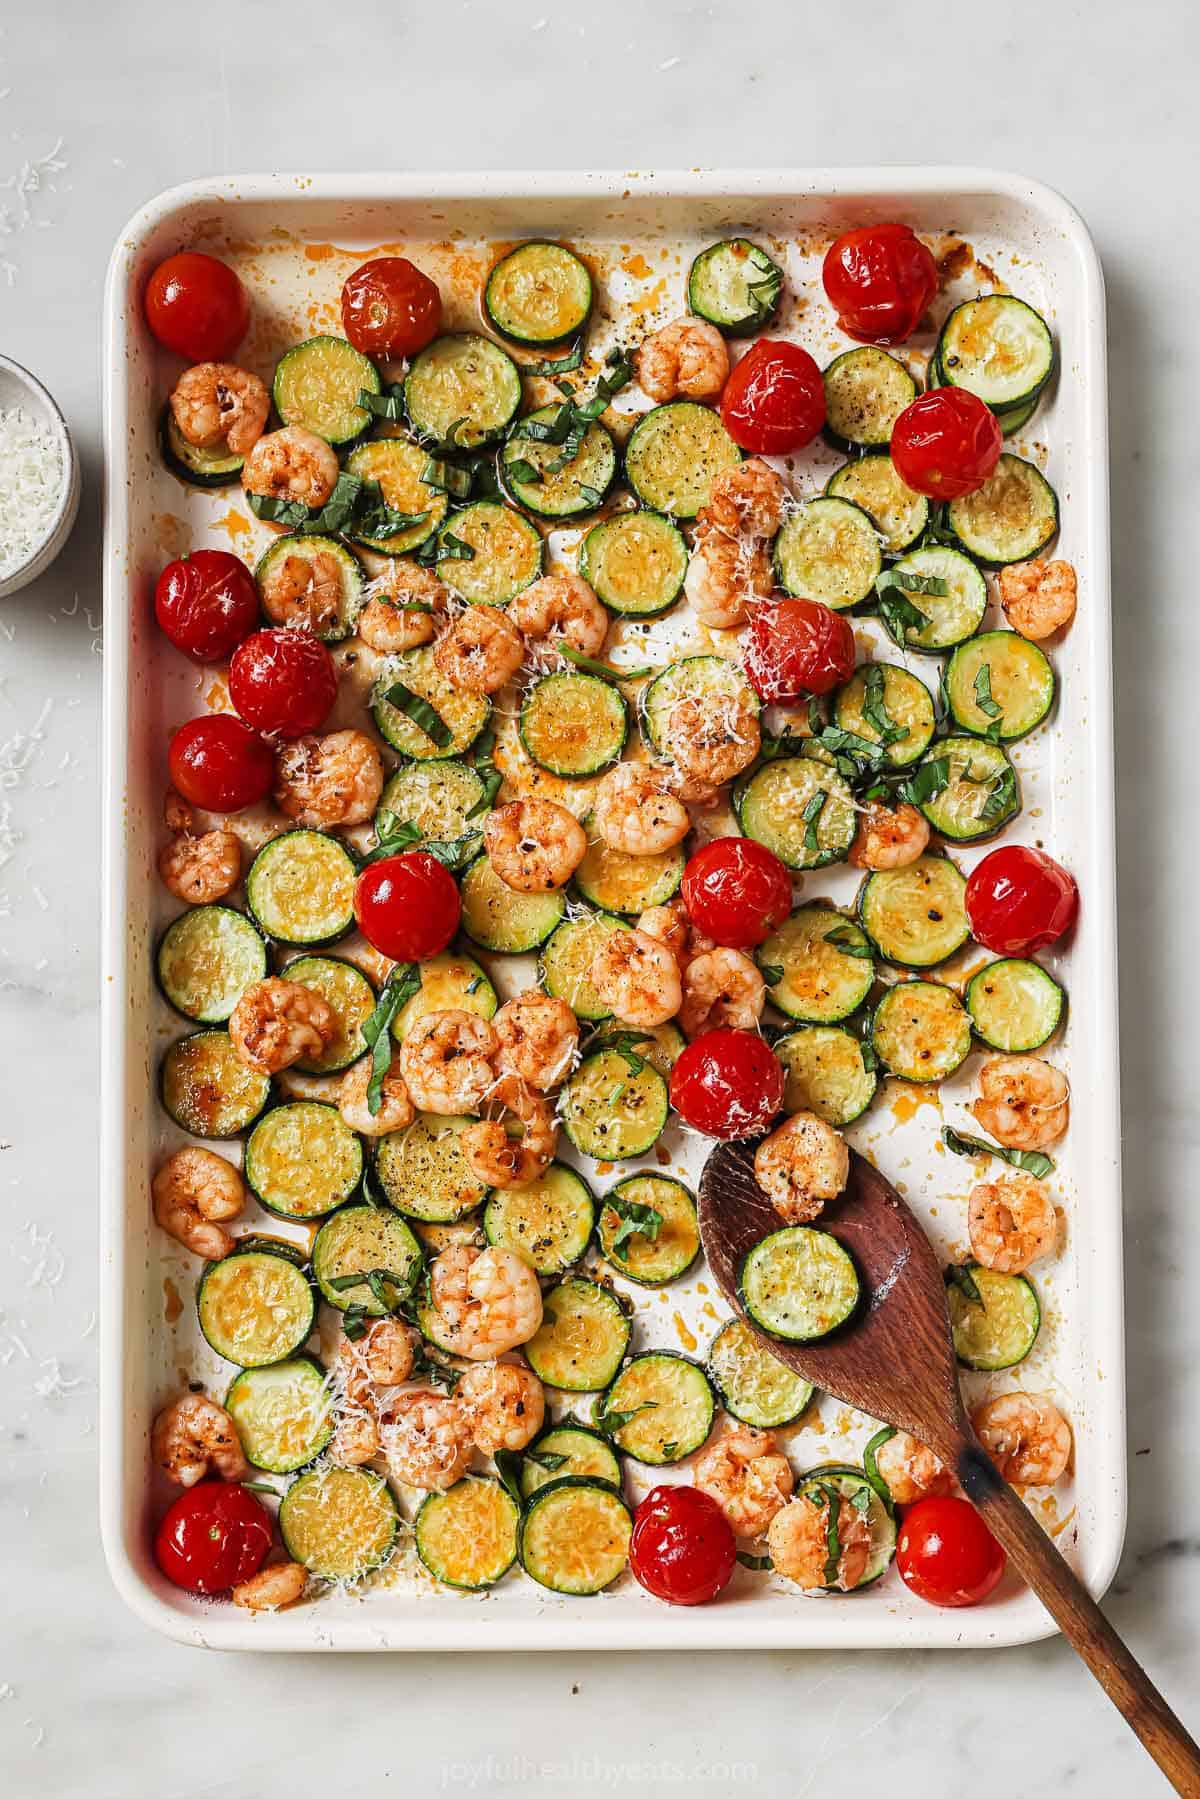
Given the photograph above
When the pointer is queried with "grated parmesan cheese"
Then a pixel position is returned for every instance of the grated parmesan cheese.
(32, 461)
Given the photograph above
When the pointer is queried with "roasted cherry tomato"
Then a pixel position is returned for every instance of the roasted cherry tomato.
(220, 764)
(774, 401)
(206, 603)
(727, 1084)
(796, 647)
(736, 891)
(196, 306)
(879, 280)
(407, 906)
(389, 308)
(283, 681)
(682, 1549)
(1019, 900)
(946, 443)
(946, 1554)
(214, 1536)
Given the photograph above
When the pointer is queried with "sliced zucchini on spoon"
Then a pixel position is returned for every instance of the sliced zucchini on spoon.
(799, 1284)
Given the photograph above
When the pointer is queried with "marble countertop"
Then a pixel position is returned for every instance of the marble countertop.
(100, 109)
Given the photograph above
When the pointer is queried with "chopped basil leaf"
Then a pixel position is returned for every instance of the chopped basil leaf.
(546, 1458)
(454, 429)
(892, 578)
(930, 779)
(259, 1486)
(870, 1060)
(669, 1449)
(983, 693)
(447, 477)
(1002, 796)
(603, 669)
(962, 1278)
(875, 707)
(373, 517)
(810, 815)
(402, 983)
(458, 853)
(1031, 1161)
(453, 549)
(609, 1423)
(387, 405)
(843, 937)
(636, 1221)
(519, 468)
(764, 294)
(321, 521)
(592, 496)
(416, 707)
(354, 1321)
(861, 1500)
(561, 365)
(622, 1043)
(761, 1563)
(900, 615)
(508, 1467)
(771, 973)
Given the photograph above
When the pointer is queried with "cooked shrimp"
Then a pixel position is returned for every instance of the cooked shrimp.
(714, 737)
(355, 1438)
(291, 464)
(539, 1036)
(1038, 597)
(201, 869)
(488, 1301)
(396, 1109)
(505, 1405)
(479, 651)
(387, 1351)
(1024, 1101)
(744, 1472)
(446, 1061)
(332, 780)
(686, 360)
(194, 1435)
(194, 1193)
(888, 838)
(726, 576)
(304, 591)
(272, 1589)
(426, 1438)
(721, 989)
(1026, 1436)
(805, 1548)
(534, 845)
(561, 606)
(801, 1167)
(671, 925)
(910, 1470)
(504, 1161)
(634, 815)
(177, 814)
(402, 605)
(637, 978)
(747, 499)
(278, 1022)
(216, 403)
(1011, 1222)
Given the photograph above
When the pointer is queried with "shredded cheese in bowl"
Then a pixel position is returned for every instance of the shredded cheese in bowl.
(31, 486)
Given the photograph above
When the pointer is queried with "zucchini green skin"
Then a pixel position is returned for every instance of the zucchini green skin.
(363, 1237)
(866, 390)
(582, 1339)
(199, 468)
(540, 293)
(207, 1088)
(1012, 517)
(651, 1262)
(673, 455)
(849, 1482)
(579, 487)
(799, 1284)
(399, 468)
(321, 1503)
(821, 983)
(230, 941)
(906, 702)
(343, 619)
(951, 617)
(348, 991)
(509, 553)
(1015, 1005)
(735, 286)
(611, 1113)
(679, 1408)
(274, 898)
(921, 1031)
(424, 1173)
(317, 384)
(826, 1072)
(895, 908)
(636, 562)
(467, 1536)
(302, 1160)
(752, 1385)
(265, 1402)
(771, 803)
(507, 923)
(828, 549)
(579, 1511)
(585, 1454)
(899, 514)
(998, 348)
(437, 380)
(1000, 1332)
(983, 793)
(255, 1277)
(1019, 679)
(549, 1222)
(574, 724)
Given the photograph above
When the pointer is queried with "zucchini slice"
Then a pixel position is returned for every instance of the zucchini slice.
(467, 1536)
(853, 1484)
(711, 679)
(799, 1284)
(666, 1405)
(440, 798)
(364, 1238)
(998, 348)
(424, 1173)
(826, 1072)
(548, 1222)
(735, 286)
(462, 715)
(800, 808)
(915, 916)
(824, 965)
(207, 1088)
(673, 454)
(881, 699)
(538, 479)
(921, 1031)
(582, 1339)
(999, 685)
(636, 562)
(615, 882)
(283, 1414)
(317, 384)
(1015, 1006)
(302, 1160)
(1010, 518)
(950, 617)
(666, 1248)
(569, 955)
(449, 982)
(340, 1523)
(496, 918)
(399, 469)
(575, 1536)
(333, 606)
(539, 293)
(866, 390)
(198, 467)
(255, 1307)
(462, 391)
(752, 1386)
(662, 1046)
(994, 1318)
(568, 1449)
(609, 1111)
(352, 997)
(506, 553)
(897, 511)
(981, 794)
(300, 888)
(828, 549)
(1012, 422)
(206, 959)
(574, 724)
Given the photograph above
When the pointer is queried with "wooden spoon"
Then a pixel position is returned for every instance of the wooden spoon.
(895, 1361)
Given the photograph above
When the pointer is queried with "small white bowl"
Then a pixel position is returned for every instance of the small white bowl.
(19, 388)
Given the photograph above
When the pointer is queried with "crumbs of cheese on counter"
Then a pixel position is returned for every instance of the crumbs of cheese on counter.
(30, 488)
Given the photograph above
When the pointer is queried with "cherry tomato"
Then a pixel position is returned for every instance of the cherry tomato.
(879, 279)
(774, 401)
(946, 1554)
(682, 1549)
(219, 763)
(736, 891)
(407, 906)
(946, 443)
(727, 1084)
(214, 1536)
(796, 647)
(206, 603)
(1019, 900)
(197, 307)
(389, 308)
(283, 681)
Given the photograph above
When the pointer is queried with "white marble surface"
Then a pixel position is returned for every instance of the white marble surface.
(143, 95)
